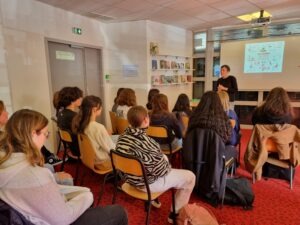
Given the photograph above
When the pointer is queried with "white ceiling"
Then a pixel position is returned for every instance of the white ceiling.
(189, 14)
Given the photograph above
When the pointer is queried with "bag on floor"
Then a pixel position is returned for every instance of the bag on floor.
(274, 171)
(239, 192)
(193, 214)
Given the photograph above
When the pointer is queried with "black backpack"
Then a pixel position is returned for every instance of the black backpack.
(239, 192)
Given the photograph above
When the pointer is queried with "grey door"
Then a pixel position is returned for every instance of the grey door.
(76, 66)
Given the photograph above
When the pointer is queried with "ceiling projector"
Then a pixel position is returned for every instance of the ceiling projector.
(261, 20)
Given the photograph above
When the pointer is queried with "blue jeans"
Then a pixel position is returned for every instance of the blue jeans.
(108, 215)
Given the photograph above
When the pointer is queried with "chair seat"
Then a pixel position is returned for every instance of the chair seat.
(136, 193)
(168, 152)
(280, 163)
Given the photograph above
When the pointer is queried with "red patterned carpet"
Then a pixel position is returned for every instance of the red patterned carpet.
(275, 203)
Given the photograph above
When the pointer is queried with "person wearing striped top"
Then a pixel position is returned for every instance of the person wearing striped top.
(161, 176)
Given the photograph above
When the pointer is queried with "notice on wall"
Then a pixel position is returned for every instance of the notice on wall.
(130, 70)
(63, 55)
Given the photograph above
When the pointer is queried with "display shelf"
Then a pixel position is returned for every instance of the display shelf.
(171, 70)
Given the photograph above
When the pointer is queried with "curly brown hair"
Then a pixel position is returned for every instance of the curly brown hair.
(160, 104)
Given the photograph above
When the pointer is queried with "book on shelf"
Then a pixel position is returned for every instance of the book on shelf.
(181, 65)
(189, 78)
(154, 64)
(164, 64)
(156, 80)
(174, 65)
(175, 79)
(187, 66)
(166, 79)
(183, 78)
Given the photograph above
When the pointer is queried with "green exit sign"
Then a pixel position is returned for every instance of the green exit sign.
(77, 30)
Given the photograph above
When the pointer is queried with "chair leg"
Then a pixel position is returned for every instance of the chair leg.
(101, 191)
(291, 179)
(148, 206)
(64, 157)
(115, 191)
(174, 207)
(253, 178)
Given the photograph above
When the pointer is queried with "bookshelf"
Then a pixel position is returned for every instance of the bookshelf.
(171, 70)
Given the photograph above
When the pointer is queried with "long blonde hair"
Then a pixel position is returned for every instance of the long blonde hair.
(18, 136)
(224, 97)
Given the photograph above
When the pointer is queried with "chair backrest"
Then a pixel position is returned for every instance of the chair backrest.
(185, 120)
(122, 124)
(87, 152)
(65, 136)
(127, 163)
(271, 145)
(113, 120)
(157, 132)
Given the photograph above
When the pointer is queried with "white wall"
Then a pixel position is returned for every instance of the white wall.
(25, 79)
(171, 41)
(25, 25)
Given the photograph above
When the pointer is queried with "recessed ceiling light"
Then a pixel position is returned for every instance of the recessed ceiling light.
(255, 15)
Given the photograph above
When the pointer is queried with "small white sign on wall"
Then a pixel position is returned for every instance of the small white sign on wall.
(130, 70)
(63, 55)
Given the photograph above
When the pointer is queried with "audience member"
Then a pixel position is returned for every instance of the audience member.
(232, 115)
(31, 189)
(3, 116)
(275, 110)
(125, 100)
(69, 100)
(115, 106)
(210, 114)
(161, 116)
(151, 94)
(85, 122)
(160, 174)
(182, 106)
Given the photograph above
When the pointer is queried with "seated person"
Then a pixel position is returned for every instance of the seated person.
(115, 106)
(276, 109)
(69, 100)
(151, 94)
(182, 106)
(161, 176)
(161, 116)
(224, 97)
(85, 122)
(31, 189)
(125, 100)
(210, 114)
(49, 157)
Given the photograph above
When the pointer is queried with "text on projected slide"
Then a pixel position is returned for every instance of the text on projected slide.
(264, 57)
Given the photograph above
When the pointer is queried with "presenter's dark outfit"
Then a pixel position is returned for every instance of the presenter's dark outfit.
(230, 83)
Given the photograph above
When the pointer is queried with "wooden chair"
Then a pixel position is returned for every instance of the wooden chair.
(160, 133)
(58, 135)
(113, 120)
(185, 121)
(122, 124)
(127, 164)
(88, 156)
(66, 139)
(271, 147)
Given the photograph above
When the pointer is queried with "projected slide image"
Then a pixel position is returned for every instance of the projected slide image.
(265, 57)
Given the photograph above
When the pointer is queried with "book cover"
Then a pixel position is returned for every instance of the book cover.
(162, 64)
(175, 79)
(189, 78)
(187, 66)
(156, 80)
(183, 78)
(154, 64)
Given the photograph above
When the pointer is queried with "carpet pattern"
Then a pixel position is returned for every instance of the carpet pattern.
(274, 204)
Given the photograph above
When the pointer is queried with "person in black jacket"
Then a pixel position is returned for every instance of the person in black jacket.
(227, 83)
(275, 110)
